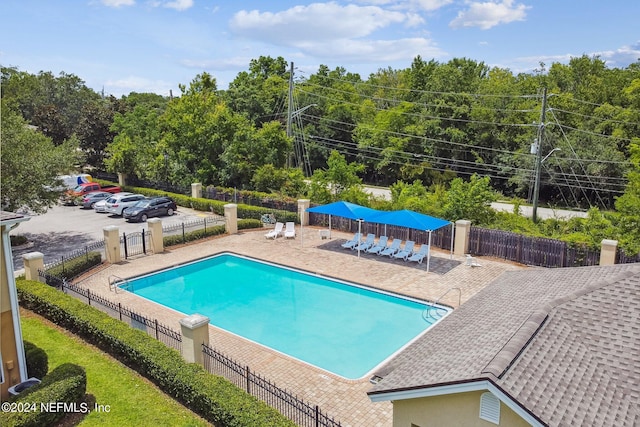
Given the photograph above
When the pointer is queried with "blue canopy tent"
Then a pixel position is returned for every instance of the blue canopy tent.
(416, 220)
(346, 210)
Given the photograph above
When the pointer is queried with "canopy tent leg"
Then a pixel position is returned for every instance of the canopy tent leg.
(429, 253)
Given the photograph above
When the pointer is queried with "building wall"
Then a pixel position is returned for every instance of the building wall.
(454, 410)
(7, 337)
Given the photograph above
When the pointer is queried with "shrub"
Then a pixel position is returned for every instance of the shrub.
(212, 397)
(37, 360)
(76, 266)
(177, 239)
(65, 384)
(245, 224)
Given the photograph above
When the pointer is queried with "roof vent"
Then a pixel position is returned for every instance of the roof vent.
(490, 408)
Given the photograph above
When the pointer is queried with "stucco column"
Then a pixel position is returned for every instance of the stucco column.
(195, 332)
(112, 244)
(33, 261)
(303, 205)
(608, 252)
(461, 243)
(122, 179)
(155, 228)
(196, 190)
(231, 218)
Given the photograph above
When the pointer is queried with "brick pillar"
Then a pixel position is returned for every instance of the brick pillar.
(155, 228)
(231, 218)
(461, 243)
(196, 190)
(195, 332)
(33, 261)
(112, 244)
(303, 205)
(608, 252)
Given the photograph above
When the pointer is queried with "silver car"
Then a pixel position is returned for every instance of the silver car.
(116, 204)
(90, 199)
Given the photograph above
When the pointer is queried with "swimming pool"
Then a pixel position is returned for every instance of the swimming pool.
(342, 328)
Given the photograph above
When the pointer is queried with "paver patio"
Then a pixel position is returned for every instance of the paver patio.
(344, 399)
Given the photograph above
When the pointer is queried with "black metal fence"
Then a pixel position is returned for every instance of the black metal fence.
(292, 407)
(196, 224)
(152, 327)
(81, 252)
(136, 243)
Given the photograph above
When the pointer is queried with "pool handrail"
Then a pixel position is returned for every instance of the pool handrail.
(426, 314)
(114, 285)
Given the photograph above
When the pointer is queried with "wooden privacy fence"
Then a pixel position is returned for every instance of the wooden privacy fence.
(529, 250)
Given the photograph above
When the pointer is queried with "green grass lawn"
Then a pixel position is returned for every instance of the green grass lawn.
(131, 399)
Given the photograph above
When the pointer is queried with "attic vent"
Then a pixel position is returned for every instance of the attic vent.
(490, 408)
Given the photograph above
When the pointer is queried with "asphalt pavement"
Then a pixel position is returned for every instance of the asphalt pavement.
(64, 229)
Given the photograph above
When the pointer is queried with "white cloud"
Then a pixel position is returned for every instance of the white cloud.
(315, 22)
(118, 3)
(233, 63)
(426, 5)
(622, 56)
(179, 4)
(489, 14)
(376, 51)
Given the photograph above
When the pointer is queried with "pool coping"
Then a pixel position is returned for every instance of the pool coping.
(366, 376)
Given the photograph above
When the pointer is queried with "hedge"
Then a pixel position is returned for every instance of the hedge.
(214, 398)
(76, 266)
(67, 384)
(215, 206)
(177, 239)
(37, 360)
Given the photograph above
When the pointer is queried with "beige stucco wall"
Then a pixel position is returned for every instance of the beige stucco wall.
(455, 410)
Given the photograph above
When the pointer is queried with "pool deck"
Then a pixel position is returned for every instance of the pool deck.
(344, 399)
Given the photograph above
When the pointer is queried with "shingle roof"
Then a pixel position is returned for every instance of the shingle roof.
(564, 343)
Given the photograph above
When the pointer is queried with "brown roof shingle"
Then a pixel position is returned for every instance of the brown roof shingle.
(565, 343)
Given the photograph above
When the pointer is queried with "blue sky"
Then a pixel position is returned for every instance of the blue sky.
(154, 45)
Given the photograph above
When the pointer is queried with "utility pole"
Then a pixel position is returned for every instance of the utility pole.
(536, 187)
(290, 113)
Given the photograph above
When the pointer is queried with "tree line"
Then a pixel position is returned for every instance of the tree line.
(427, 131)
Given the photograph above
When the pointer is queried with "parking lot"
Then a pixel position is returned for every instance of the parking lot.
(64, 229)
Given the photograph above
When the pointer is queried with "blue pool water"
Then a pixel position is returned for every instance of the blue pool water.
(342, 328)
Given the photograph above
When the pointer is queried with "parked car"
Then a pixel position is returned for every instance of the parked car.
(90, 199)
(118, 203)
(101, 206)
(88, 187)
(144, 209)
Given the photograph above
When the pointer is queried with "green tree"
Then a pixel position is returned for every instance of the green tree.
(330, 184)
(628, 205)
(30, 163)
(470, 200)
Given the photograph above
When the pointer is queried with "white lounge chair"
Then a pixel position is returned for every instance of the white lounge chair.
(277, 230)
(392, 249)
(472, 262)
(350, 244)
(290, 231)
(419, 255)
(380, 246)
(363, 246)
(405, 252)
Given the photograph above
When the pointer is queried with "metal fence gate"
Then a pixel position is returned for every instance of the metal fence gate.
(136, 243)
